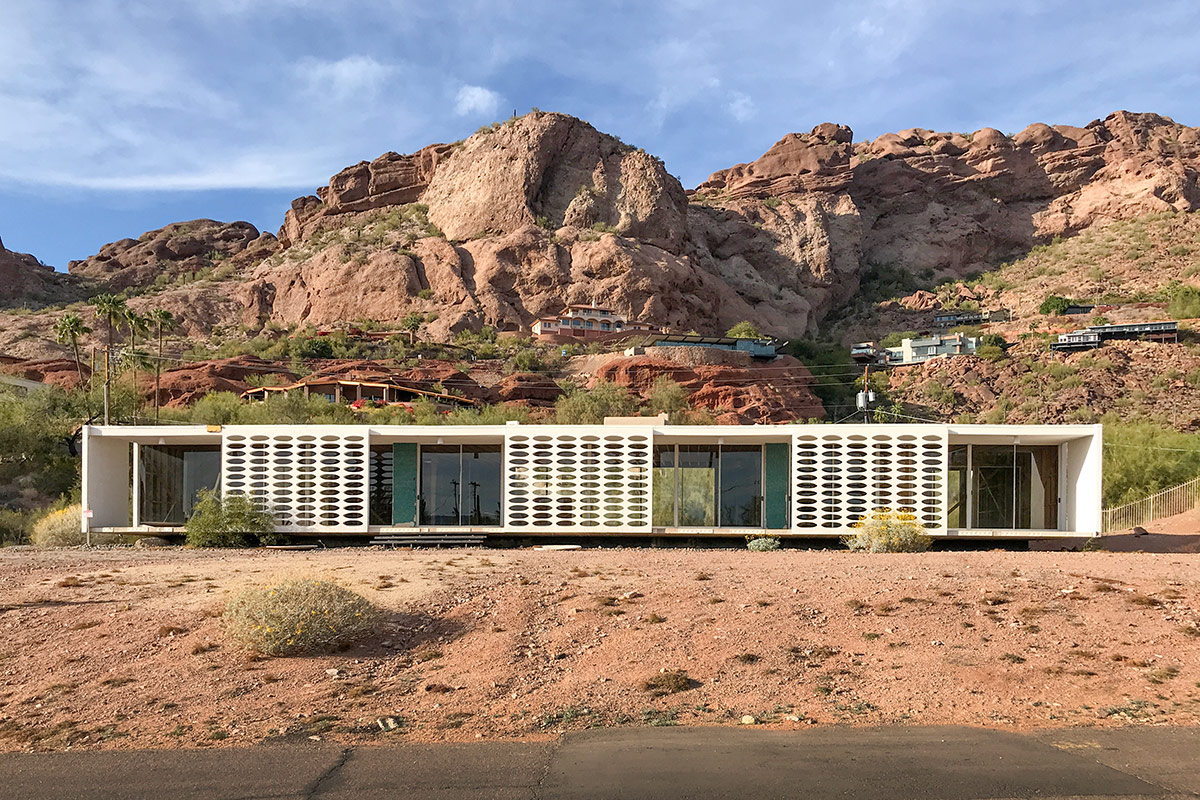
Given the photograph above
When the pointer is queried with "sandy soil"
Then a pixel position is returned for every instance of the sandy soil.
(521, 644)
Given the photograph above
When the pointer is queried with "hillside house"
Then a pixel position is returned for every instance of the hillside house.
(587, 323)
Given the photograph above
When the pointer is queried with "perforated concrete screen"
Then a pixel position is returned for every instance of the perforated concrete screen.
(563, 479)
(841, 475)
(311, 478)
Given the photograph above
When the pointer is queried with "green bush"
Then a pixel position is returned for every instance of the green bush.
(591, 406)
(992, 340)
(888, 531)
(299, 616)
(1054, 304)
(230, 521)
(744, 330)
(894, 339)
(1142, 458)
(762, 544)
(989, 352)
(61, 528)
(1184, 303)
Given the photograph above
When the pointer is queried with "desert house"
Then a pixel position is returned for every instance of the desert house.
(587, 323)
(630, 476)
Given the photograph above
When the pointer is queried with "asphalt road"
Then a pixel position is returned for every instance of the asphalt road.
(927, 763)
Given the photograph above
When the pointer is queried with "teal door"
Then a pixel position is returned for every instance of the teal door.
(404, 484)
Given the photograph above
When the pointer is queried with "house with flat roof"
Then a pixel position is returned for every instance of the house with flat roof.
(616, 479)
(357, 391)
(1095, 335)
(921, 349)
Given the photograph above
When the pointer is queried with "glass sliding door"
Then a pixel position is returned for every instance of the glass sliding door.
(1037, 487)
(481, 468)
(956, 489)
(741, 486)
(708, 486)
(172, 477)
(1010, 487)
(441, 478)
(697, 479)
(460, 485)
(663, 513)
(994, 484)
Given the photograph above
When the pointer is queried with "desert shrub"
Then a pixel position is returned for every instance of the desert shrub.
(762, 544)
(525, 361)
(1143, 458)
(591, 406)
(992, 340)
(888, 531)
(1184, 303)
(667, 682)
(229, 521)
(744, 330)
(1054, 304)
(299, 615)
(895, 338)
(989, 352)
(61, 528)
(667, 396)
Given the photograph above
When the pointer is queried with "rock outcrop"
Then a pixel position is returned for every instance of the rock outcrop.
(959, 203)
(181, 248)
(775, 391)
(182, 387)
(26, 281)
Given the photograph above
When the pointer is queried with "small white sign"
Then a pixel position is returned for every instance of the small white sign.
(87, 513)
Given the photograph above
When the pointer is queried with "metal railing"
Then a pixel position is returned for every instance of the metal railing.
(1166, 503)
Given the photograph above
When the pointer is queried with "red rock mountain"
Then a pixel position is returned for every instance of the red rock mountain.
(543, 210)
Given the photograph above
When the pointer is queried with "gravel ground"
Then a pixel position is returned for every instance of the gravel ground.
(123, 648)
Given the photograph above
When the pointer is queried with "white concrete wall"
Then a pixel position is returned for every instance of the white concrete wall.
(105, 481)
(1084, 490)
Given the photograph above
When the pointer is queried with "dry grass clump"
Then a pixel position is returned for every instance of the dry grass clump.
(888, 531)
(299, 615)
(60, 528)
(667, 682)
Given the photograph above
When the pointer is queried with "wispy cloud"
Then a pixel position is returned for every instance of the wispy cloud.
(476, 101)
(358, 76)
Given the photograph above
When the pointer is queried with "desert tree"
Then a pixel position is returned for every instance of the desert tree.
(111, 309)
(163, 321)
(68, 330)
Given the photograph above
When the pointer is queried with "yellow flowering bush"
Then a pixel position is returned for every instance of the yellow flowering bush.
(299, 616)
(886, 531)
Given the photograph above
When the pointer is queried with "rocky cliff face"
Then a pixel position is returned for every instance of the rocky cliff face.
(181, 248)
(25, 281)
(959, 203)
(544, 210)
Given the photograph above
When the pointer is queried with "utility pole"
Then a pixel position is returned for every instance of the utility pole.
(865, 397)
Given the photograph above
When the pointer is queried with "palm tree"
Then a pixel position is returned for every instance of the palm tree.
(67, 330)
(136, 323)
(162, 320)
(111, 309)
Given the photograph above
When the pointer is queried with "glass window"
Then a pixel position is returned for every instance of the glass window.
(956, 490)
(1037, 487)
(172, 476)
(1012, 487)
(741, 486)
(441, 477)
(993, 484)
(460, 485)
(663, 514)
(697, 485)
(481, 469)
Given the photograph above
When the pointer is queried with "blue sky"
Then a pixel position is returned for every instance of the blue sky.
(119, 116)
